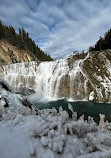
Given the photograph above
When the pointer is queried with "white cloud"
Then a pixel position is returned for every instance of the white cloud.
(60, 26)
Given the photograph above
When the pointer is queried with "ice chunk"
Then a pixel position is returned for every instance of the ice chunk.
(91, 96)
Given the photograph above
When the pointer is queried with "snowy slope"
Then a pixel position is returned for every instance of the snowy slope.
(48, 134)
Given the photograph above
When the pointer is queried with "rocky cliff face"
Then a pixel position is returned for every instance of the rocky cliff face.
(78, 77)
(10, 54)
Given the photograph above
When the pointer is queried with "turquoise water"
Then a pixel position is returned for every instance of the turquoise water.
(87, 108)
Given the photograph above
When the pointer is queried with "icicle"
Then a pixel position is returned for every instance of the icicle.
(74, 114)
(90, 120)
(70, 107)
(82, 118)
(60, 109)
(101, 123)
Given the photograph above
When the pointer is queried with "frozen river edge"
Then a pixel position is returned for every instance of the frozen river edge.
(26, 132)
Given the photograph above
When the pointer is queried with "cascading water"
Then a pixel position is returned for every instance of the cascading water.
(66, 77)
(45, 77)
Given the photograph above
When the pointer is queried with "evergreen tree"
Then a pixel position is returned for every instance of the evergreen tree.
(2, 35)
(22, 41)
(13, 40)
(102, 43)
(19, 42)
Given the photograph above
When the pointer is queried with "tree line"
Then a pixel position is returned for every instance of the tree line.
(102, 43)
(22, 41)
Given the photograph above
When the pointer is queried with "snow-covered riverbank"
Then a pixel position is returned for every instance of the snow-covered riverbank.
(26, 133)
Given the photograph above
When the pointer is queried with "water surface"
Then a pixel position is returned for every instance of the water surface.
(87, 108)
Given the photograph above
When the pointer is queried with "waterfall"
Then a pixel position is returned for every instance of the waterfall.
(64, 78)
(46, 78)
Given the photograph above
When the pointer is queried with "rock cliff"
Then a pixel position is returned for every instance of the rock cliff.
(10, 54)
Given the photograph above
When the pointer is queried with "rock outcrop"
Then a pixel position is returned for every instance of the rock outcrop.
(10, 54)
(9, 97)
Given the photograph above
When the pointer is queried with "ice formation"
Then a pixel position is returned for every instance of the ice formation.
(45, 76)
(26, 133)
(71, 77)
(91, 96)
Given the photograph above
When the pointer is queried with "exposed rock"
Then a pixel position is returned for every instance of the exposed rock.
(9, 97)
(1, 71)
(6, 102)
(10, 54)
(5, 85)
(26, 103)
(64, 89)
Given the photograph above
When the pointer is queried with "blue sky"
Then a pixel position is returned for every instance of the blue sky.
(59, 26)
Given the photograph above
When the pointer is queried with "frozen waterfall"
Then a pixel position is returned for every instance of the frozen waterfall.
(54, 79)
(72, 78)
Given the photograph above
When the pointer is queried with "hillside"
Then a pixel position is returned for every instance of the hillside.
(10, 54)
(22, 41)
(77, 77)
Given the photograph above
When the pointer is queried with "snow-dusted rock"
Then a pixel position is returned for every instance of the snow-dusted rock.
(5, 85)
(91, 96)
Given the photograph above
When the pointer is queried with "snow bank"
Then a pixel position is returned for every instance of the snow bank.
(24, 133)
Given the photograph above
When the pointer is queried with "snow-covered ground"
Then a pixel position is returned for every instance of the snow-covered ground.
(26, 133)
